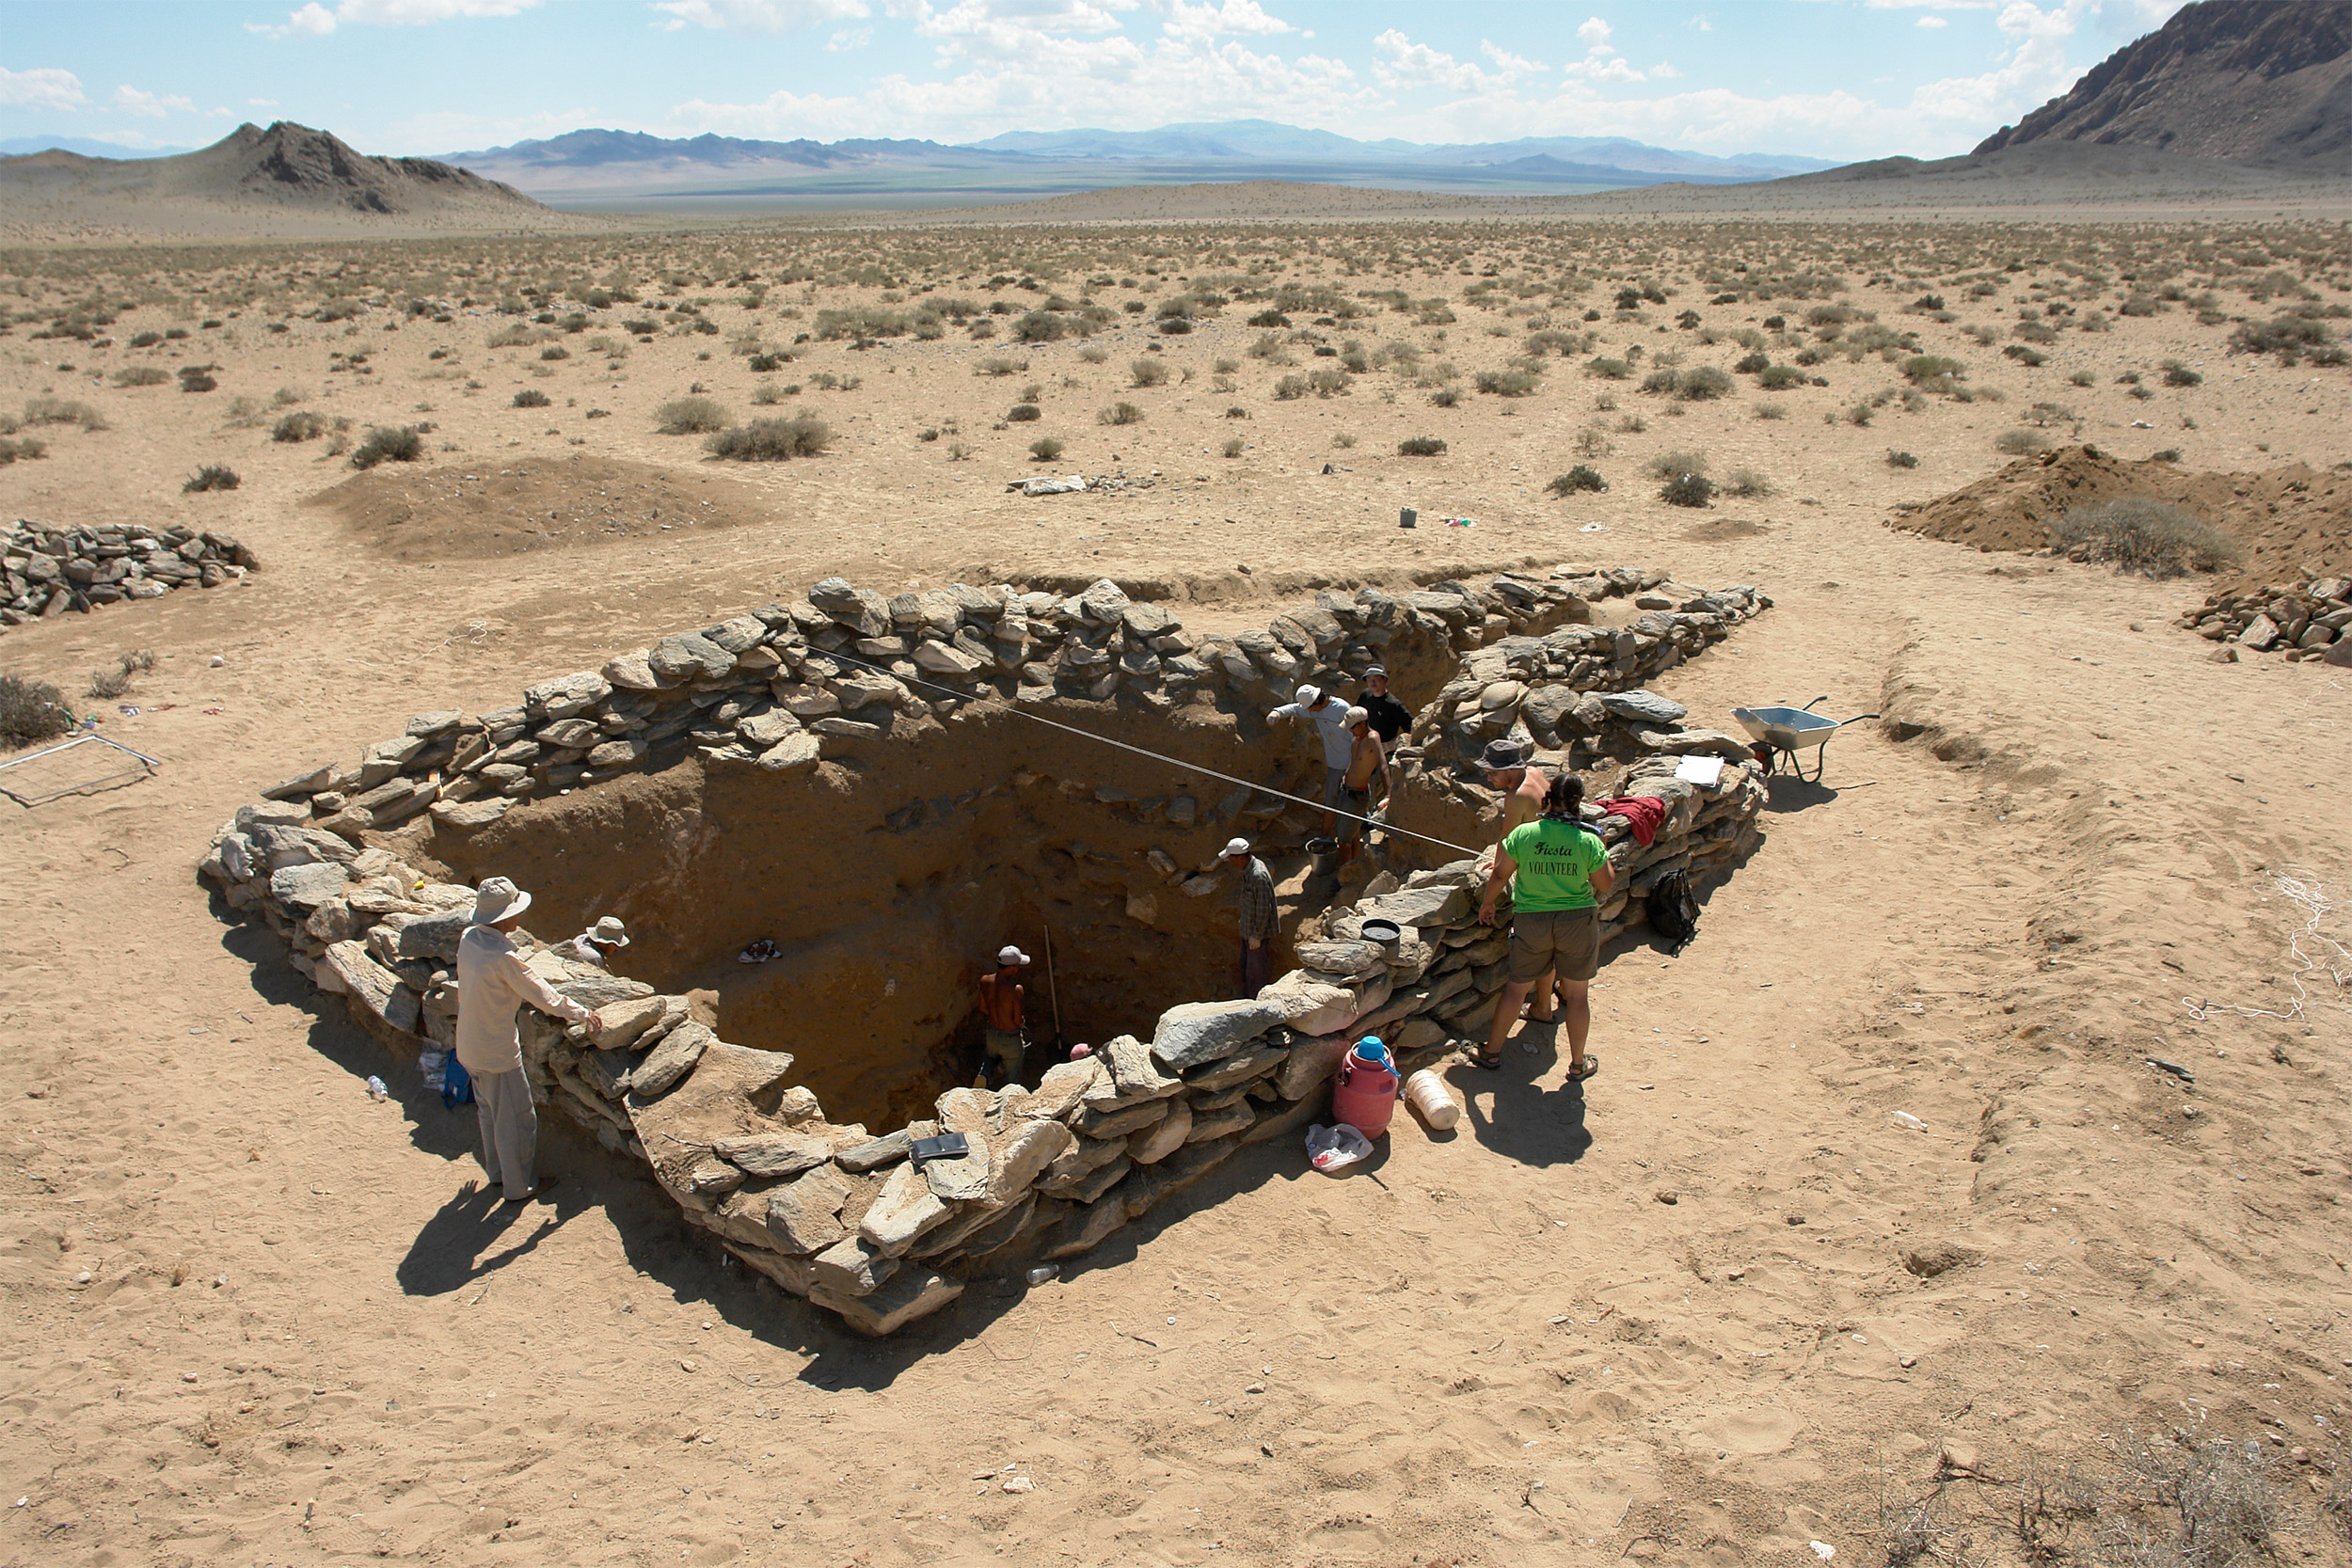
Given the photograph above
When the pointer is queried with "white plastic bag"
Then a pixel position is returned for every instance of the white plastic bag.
(1332, 1150)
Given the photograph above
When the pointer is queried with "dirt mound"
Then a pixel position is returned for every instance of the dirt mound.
(2290, 522)
(479, 511)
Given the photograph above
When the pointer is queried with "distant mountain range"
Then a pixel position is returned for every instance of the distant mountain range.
(89, 147)
(613, 164)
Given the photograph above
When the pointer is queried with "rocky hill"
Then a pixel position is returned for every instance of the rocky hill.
(286, 179)
(2248, 80)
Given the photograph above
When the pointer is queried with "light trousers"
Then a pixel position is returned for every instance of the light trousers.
(510, 1130)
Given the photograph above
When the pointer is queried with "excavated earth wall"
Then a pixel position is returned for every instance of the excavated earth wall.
(853, 777)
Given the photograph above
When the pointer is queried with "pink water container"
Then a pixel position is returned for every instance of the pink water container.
(1364, 1094)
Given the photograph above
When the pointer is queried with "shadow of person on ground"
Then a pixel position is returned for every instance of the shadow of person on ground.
(454, 1247)
(1509, 1110)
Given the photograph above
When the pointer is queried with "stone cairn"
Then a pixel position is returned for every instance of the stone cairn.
(48, 571)
(833, 1212)
(2311, 622)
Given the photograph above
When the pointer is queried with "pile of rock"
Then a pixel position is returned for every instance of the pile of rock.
(48, 571)
(785, 684)
(2309, 622)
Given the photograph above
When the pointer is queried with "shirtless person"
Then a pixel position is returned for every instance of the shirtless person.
(1366, 757)
(1002, 1009)
(1523, 789)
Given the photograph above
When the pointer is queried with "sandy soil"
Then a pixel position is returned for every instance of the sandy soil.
(263, 1319)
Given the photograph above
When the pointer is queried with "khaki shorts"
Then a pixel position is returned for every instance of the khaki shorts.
(1565, 940)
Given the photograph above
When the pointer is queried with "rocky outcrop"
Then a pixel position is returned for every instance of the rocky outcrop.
(2311, 621)
(2241, 80)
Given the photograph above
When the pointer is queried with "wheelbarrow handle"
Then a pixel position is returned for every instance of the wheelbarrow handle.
(1808, 707)
(1855, 720)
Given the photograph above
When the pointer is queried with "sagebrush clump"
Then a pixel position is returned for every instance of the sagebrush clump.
(2150, 537)
(771, 440)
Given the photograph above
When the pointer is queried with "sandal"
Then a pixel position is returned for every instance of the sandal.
(1578, 1071)
(1492, 1062)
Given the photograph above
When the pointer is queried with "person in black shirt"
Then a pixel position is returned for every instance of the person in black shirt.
(1389, 718)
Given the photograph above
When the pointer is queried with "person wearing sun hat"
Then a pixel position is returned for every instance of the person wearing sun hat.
(493, 982)
(588, 946)
(1257, 917)
(1338, 744)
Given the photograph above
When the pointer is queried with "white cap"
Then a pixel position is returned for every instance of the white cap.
(1310, 696)
(1238, 846)
(1011, 956)
(1358, 716)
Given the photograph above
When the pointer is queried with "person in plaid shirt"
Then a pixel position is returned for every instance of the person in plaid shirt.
(1257, 917)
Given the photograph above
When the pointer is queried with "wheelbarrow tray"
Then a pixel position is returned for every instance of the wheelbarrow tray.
(1785, 728)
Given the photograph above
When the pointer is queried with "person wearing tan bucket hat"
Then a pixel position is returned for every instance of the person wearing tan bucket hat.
(493, 982)
(588, 946)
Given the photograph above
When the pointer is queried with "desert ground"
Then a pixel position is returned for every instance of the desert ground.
(1720, 1306)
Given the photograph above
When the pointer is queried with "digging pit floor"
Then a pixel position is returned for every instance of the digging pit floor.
(261, 1317)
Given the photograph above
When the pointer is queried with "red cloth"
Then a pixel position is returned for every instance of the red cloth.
(1646, 813)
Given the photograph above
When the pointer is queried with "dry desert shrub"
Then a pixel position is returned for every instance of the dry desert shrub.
(2021, 442)
(691, 415)
(2150, 537)
(1421, 445)
(1582, 477)
(531, 397)
(106, 685)
(63, 411)
(1121, 413)
(24, 447)
(212, 476)
(1045, 449)
(1148, 373)
(30, 711)
(300, 425)
(388, 444)
(771, 440)
(141, 375)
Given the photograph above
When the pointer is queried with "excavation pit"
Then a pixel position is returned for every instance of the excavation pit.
(889, 789)
(888, 876)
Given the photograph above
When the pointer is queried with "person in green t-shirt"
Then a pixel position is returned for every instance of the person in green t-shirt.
(1558, 873)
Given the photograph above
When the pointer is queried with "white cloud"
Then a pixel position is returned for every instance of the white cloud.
(261, 103)
(42, 88)
(847, 39)
(1229, 19)
(1594, 34)
(150, 106)
(314, 20)
(758, 16)
(1931, 22)
(1701, 22)
(1510, 67)
(1664, 71)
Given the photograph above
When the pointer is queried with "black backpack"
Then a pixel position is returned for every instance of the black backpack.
(1673, 912)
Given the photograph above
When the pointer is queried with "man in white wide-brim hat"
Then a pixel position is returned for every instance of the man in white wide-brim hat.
(591, 944)
(492, 982)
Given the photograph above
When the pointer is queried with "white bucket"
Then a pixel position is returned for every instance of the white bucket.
(1427, 1094)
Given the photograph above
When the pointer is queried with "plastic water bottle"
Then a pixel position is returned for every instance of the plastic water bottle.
(376, 1089)
(1905, 1119)
(1044, 1274)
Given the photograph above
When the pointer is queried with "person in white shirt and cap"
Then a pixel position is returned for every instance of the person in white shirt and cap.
(1003, 1008)
(1339, 743)
(588, 946)
(493, 982)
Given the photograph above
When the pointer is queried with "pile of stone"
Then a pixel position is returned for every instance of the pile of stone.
(47, 571)
(2311, 622)
(785, 684)
(850, 1220)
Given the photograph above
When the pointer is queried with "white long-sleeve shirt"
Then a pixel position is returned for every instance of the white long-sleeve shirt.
(492, 982)
(1339, 741)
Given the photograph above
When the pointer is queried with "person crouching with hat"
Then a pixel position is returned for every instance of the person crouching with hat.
(493, 982)
(590, 945)
(1004, 1010)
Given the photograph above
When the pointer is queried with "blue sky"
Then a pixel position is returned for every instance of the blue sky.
(1827, 78)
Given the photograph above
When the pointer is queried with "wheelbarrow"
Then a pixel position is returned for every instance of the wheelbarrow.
(1782, 732)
